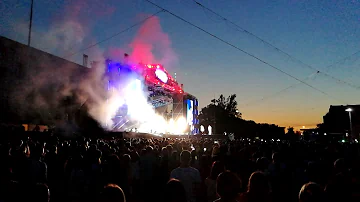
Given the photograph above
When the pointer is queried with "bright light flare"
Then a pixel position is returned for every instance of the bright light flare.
(171, 126)
(177, 127)
(202, 128)
(156, 125)
(210, 130)
(139, 110)
(181, 125)
(161, 75)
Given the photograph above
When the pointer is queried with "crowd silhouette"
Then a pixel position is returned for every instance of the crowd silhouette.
(56, 169)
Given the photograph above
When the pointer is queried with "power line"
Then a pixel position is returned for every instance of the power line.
(116, 34)
(276, 48)
(274, 94)
(241, 50)
(296, 84)
(346, 58)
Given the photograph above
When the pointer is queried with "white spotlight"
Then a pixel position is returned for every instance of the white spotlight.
(181, 125)
(202, 128)
(171, 126)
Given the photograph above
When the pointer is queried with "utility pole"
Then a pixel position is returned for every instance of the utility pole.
(214, 127)
(350, 121)
(30, 23)
(350, 128)
(28, 63)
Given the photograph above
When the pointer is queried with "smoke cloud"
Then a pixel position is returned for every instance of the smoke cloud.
(52, 88)
(152, 45)
(46, 86)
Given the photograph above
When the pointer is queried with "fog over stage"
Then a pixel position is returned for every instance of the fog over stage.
(147, 99)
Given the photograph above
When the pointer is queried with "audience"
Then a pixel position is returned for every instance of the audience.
(55, 168)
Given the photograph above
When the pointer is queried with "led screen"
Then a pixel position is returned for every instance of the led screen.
(189, 111)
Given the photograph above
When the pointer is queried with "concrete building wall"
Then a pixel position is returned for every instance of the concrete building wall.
(337, 120)
(33, 83)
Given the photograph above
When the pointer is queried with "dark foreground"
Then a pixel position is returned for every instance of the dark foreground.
(77, 169)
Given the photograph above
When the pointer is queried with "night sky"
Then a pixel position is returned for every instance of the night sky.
(318, 33)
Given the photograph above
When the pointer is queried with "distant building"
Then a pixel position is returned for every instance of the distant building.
(337, 120)
(34, 85)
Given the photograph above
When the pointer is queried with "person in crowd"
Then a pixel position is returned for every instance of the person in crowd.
(258, 189)
(135, 173)
(20, 153)
(74, 173)
(228, 187)
(55, 168)
(12, 192)
(174, 192)
(93, 171)
(311, 192)
(148, 165)
(262, 164)
(111, 169)
(112, 193)
(188, 176)
(194, 159)
(340, 166)
(279, 178)
(164, 172)
(125, 173)
(277, 167)
(215, 152)
(210, 182)
(339, 185)
(40, 193)
(37, 168)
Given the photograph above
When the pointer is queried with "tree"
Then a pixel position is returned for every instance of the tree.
(290, 131)
(220, 113)
(227, 105)
(321, 126)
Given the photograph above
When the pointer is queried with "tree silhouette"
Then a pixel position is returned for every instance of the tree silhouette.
(227, 106)
(290, 131)
(222, 114)
(219, 113)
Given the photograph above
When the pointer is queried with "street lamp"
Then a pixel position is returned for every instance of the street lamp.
(350, 110)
